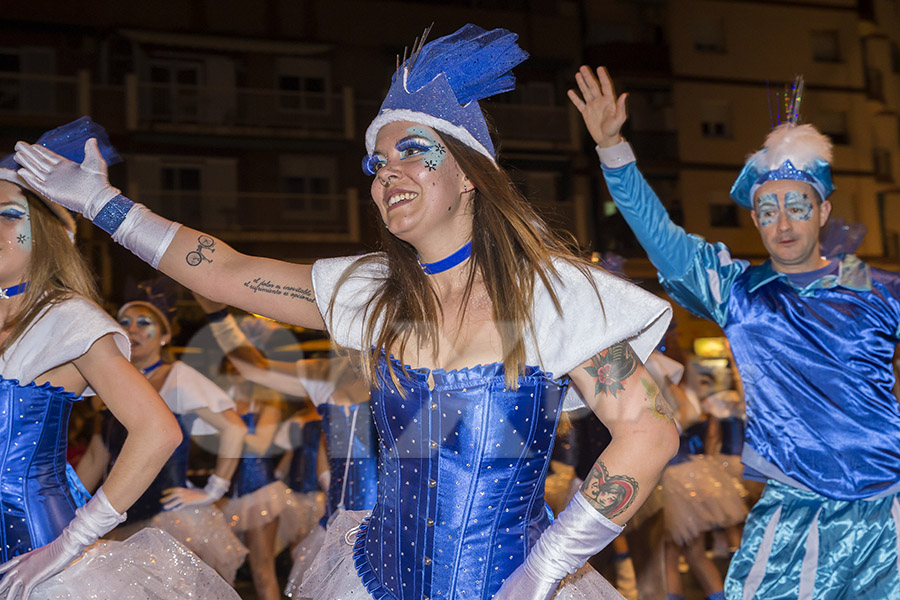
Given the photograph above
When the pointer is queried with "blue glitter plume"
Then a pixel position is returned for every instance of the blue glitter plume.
(477, 63)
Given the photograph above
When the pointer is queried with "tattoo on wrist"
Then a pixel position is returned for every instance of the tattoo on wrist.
(658, 405)
(265, 286)
(610, 495)
(196, 257)
(611, 367)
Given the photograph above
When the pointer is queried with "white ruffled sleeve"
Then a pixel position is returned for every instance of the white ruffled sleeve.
(586, 324)
(60, 334)
(346, 323)
(186, 390)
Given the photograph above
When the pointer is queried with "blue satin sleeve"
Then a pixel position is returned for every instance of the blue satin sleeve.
(696, 274)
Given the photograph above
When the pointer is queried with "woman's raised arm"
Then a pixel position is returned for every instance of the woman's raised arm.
(277, 289)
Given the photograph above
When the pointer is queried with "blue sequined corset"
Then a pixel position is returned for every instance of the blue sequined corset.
(352, 457)
(35, 503)
(172, 474)
(461, 481)
(254, 472)
(305, 442)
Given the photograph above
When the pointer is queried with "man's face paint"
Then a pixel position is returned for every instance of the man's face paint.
(798, 206)
(767, 209)
(789, 216)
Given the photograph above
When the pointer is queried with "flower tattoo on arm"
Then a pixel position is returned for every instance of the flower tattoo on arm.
(611, 367)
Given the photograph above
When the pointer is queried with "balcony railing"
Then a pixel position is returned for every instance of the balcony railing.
(53, 98)
(214, 110)
(547, 127)
(256, 216)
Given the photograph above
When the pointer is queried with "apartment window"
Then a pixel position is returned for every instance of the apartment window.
(180, 187)
(34, 96)
(826, 46)
(308, 186)
(175, 90)
(715, 120)
(881, 160)
(303, 85)
(538, 93)
(709, 36)
(874, 84)
(724, 215)
(833, 123)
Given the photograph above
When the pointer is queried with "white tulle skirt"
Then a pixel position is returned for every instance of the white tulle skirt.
(300, 516)
(700, 495)
(259, 508)
(205, 531)
(150, 565)
(303, 555)
(333, 576)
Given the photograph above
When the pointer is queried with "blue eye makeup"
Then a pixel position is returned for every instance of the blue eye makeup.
(798, 206)
(413, 146)
(767, 209)
(372, 163)
(13, 214)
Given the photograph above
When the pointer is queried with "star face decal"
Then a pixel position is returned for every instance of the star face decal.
(22, 239)
(439, 148)
(430, 165)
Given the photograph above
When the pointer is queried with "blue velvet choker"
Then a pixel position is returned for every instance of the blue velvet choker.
(147, 370)
(448, 263)
(6, 293)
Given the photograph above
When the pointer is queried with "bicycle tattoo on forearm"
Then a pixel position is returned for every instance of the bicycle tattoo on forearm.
(195, 257)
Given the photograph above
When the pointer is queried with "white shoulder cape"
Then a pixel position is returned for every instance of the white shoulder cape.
(61, 333)
(186, 390)
(562, 340)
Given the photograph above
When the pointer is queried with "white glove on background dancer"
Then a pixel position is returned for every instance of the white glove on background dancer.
(181, 497)
(85, 188)
(24, 572)
(577, 534)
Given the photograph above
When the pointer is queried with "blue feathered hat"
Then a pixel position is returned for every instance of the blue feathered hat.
(796, 152)
(441, 83)
(67, 141)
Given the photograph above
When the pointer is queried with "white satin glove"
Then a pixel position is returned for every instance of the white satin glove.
(324, 480)
(24, 572)
(577, 534)
(83, 187)
(182, 497)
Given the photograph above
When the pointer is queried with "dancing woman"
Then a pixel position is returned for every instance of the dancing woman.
(474, 319)
(56, 344)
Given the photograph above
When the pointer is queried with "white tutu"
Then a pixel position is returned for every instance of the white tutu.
(300, 516)
(150, 565)
(333, 575)
(257, 509)
(205, 531)
(303, 555)
(699, 495)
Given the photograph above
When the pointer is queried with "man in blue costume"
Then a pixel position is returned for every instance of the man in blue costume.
(813, 339)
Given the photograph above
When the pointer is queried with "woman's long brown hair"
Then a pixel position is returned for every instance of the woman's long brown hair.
(56, 272)
(511, 247)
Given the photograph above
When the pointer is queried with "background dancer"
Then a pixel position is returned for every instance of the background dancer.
(201, 408)
(812, 338)
(341, 393)
(477, 312)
